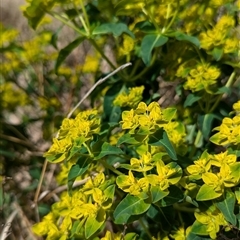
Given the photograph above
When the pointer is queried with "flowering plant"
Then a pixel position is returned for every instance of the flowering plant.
(147, 170)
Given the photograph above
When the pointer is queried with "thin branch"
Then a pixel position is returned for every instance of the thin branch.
(96, 84)
(17, 140)
(7, 226)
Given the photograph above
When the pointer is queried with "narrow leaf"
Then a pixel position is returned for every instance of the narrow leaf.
(149, 42)
(175, 195)
(130, 205)
(184, 37)
(205, 123)
(160, 138)
(191, 99)
(207, 193)
(116, 29)
(66, 51)
(108, 149)
(217, 53)
(77, 170)
(127, 138)
(94, 223)
(226, 206)
(157, 194)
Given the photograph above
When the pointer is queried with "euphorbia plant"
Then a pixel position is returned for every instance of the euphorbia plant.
(150, 172)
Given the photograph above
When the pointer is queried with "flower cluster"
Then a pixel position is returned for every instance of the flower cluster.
(86, 206)
(130, 99)
(12, 96)
(229, 130)
(165, 176)
(145, 119)
(221, 36)
(73, 133)
(199, 77)
(212, 219)
(218, 172)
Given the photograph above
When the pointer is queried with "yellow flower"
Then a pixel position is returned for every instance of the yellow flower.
(91, 64)
(231, 45)
(129, 120)
(212, 219)
(223, 158)
(236, 106)
(127, 46)
(226, 21)
(130, 99)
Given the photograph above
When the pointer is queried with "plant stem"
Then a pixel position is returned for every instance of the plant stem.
(111, 168)
(228, 84)
(102, 53)
(85, 21)
(145, 228)
(173, 18)
(65, 21)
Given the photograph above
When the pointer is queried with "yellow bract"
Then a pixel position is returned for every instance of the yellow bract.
(213, 219)
(130, 99)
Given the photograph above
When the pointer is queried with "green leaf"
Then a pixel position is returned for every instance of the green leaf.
(226, 205)
(66, 51)
(130, 205)
(130, 236)
(112, 113)
(77, 170)
(108, 149)
(175, 195)
(205, 124)
(199, 228)
(235, 170)
(157, 194)
(184, 37)
(127, 138)
(217, 53)
(191, 99)
(160, 138)
(116, 29)
(36, 11)
(207, 193)
(169, 113)
(94, 223)
(150, 42)
(193, 236)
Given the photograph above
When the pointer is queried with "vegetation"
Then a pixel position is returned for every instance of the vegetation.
(129, 166)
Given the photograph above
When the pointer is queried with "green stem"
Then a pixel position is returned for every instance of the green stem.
(172, 20)
(135, 67)
(145, 69)
(88, 149)
(145, 228)
(65, 21)
(150, 17)
(106, 165)
(228, 84)
(87, 25)
(102, 53)
(180, 208)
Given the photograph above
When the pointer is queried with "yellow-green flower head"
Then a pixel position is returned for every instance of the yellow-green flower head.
(231, 45)
(212, 219)
(200, 166)
(7, 36)
(225, 22)
(229, 132)
(130, 99)
(236, 107)
(47, 227)
(202, 77)
(146, 118)
(223, 158)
